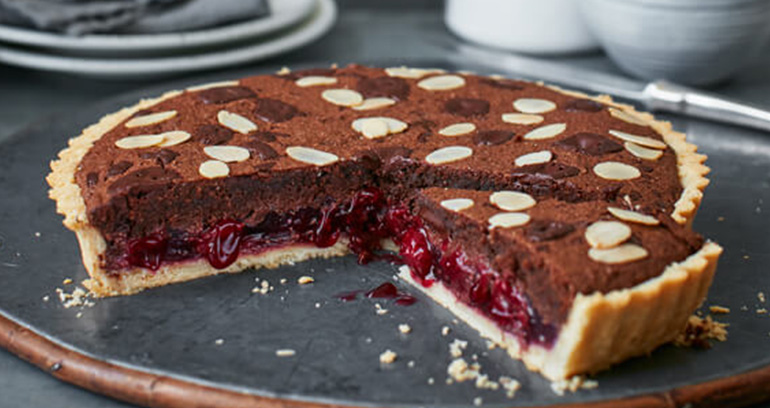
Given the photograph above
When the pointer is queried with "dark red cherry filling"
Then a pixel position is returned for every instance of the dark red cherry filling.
(147, 252)
(365, 220)
(220, 244)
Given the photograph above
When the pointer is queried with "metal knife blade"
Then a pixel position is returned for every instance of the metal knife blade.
(657, 95)
(551, 71)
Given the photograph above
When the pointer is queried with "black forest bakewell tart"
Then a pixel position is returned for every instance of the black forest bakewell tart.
(556, 224)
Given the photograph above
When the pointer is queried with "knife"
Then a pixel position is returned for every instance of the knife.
(658, 95)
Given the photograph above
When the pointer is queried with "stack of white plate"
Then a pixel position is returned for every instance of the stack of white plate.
(291, 24)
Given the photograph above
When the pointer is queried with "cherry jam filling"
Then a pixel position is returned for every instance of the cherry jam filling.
(365, 220)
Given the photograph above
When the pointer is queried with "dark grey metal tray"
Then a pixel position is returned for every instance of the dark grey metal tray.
(173, 330)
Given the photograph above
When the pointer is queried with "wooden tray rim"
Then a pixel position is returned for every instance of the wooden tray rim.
(155, 390)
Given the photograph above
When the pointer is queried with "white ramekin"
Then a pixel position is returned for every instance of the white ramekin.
(530, 26)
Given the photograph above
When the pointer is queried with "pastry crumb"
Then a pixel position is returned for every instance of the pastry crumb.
(317, 305)
(283, 71)
(283, 281)
(380, 310)
(79, 315)
(219, 342)
(460, 371)
(762, 311)
(404, 328)
(456, 347)
(431, 381)
(285, 353)
(445, 330)
(410, 364)
(388, 357)
(491, 345)
(37, 234)
(510, 385)
(716, 309)
(304, 280)
(483, 382)
(46, 298)
(572, 384)
(478, 401)
(263, 288)
(761, 297)
(78, 297)
(67, 281)
(698, 331)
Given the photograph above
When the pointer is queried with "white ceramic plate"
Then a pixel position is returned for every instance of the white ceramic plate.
(317, 24)
(284, 13)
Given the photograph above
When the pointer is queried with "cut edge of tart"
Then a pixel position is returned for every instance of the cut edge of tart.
(587, 341)
(602, 329)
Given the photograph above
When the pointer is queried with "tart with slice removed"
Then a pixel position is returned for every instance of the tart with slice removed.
(556, 224)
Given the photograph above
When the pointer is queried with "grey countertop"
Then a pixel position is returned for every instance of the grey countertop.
(366, 31)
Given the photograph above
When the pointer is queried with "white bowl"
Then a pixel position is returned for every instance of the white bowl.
(696, 42)
(531, 26)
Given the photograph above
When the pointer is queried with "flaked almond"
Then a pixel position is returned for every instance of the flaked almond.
(227, 154)
(607, 234)
(546, 132)
(442, 83)
(393, 125)
(640, 140)
(235, 122)
(411, 73)
(449, 154)
(643, 152)
(150, 119)
(220, 84)
(374, 128)
(311, 156)
(627, 117)
(543, 156)
(342, 97)
(622, 254)
(139, 142)
(375, 103)
(508, 220)
(613, 170)
(512, 200)
(213, 169)
(522, 118)
(458, 129)
(457, 204)
(315, 81)
(633, 216)
(533, 105)
(174, 138)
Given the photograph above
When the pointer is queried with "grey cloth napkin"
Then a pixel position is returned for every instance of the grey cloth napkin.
(78, 17)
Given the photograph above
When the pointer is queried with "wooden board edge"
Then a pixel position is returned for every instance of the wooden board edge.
(157, 391)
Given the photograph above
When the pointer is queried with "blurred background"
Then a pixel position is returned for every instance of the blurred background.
(60, 55)
(80, 51)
